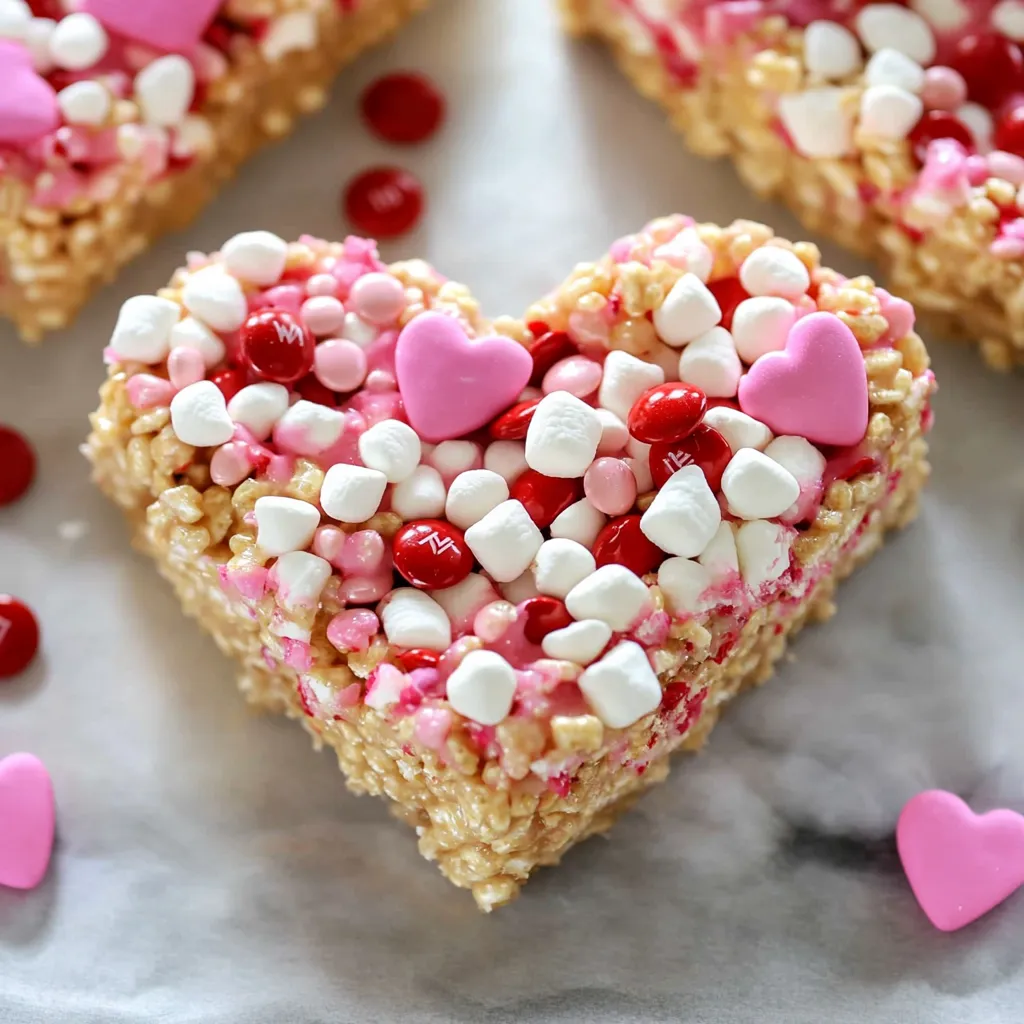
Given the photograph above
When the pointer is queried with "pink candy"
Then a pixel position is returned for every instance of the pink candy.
(231, 464)
(323, 315)
(148, 392)
(321, 284)
(363, 554)
(576, 374)
(610, 486)
(340, 365)
(353, 630)
(377, 298)
(364, 590)
(185, 366)
(493, 619)
(944, 89)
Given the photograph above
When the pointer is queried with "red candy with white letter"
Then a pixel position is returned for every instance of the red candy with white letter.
(432, 554)
(277, 346)
(704, 447)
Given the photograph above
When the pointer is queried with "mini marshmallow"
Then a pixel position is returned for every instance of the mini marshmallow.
(1007, 18)
(77, 42)
(889, 112)
(214, 297)
(563, 436)
(386, 684)
(621, 688)
(506, 458)
(190, 333)
(472, 495)
(641, 469)
(719, 557)
(580, 642)
(684, 515)
(799, 456)
(505, 541)
(143, 328)
(482, 688)
(301, 577)
(687, 252)
(757, 487)
(739, 429)
(774, 271)
(945, 15)
(522, 588)
(561, 564)
(465, 599)
(420, 495)
(309, 428)
(761, 325)
(612, 594)
(391, 446)
(580, 522)
(84, 103)
(258, 407)
(164, 91)
(289, 32)
(450, 458)
(689, 310)
(763, 550)
(710, 362)
(614, 434)
(625, 379)
(830, 50)
(890, 25)
(351, 494)
(255, 256)
(284, 524)
(685, 584)
(818, 122)
(199, 415)
(890, 67)
(413, 619)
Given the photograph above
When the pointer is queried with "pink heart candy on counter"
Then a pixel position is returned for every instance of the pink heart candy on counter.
(959, 864)
(815, 388)
(452, 385)
(169, 25)
(26, 821)
(28, 104)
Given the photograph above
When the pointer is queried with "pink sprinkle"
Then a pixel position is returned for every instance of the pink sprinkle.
(340, 365)
(349, 697)
(323, 315)
(231, 464)
(621, 248)
(250, 583)
(364, 590)
(363, 554)
(297, 654)
(148, 392)
(353, 630)
(1007, 248)
(321, 284)
(432, 727)
(493, 619)
(280, 468)
(185, 366)
(576, 374)
(283, 296)
(944, 88)
(328, 543)
(898, 312)
(977, 169)
(723, 22)
(610, 486)
(377, 299)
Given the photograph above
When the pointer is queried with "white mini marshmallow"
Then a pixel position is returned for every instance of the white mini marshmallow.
(522, 588)
(684, 515)
(351, 494)
(761, 325)
(739, 429)
(710, 362)
(143, 328)
(301, 577)
(199, 415)
(466, 598)
(685, 584)
(420, 495)
(84, 103)
(77, 42)
(580, 522)
(818, 121)
(830, 50)
(391, 446)
(216, 298)
(612, 594)
(482, 688)
(472, 495)
(625, 379)
(164, 90)
(890, 67)
(774, 271)
(450, 458)
(979, 123)
(888, 112)
(190, 333)
(799, 456)
(356, 329)
(255, 256)
(757, 487)
(1007, 18)
(944, 15)
(258, 407)
(561, 564)
(563, 436)
(505, 541)
(689, 310)
(687, 252)
(622, 687)
(580, 642)
(614, 434)
(890, 25)
(763, 550)
(310, 427)
(284, 524)
(414, 619)
(506, 458)
(719, 557)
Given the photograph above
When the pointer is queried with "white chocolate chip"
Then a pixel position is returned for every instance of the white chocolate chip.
(351, 494)
(309, 428)
(284, 524)
(621, 687)
(190, 333)
(739, 429)
(413, 619)
(888, 112)
(684, 515)
(710, 362)
(301, 577)
(580, 522)
(580, 642)
(77, 42)
(472, 495)
(199, 415)
(763, 550)
(818, 121)
(761, 325)
(391, 446)
(255, 256)
(506, 458)
(258, 407)
(505, 541)
(612, 594)
(890, 25)
(830, 50)
(689, 310)
(164, 91)
(84, 103)
(482, 688)
(420, 495)
(771, 270)
(563, 436)
(561, 564)
(143, 328)
(890, 67)
(625, 379)
(758, 487)
(216, 298)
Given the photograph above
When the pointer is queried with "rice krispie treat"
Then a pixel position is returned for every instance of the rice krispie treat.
(505, 568)
(121, 119)
(897, 129)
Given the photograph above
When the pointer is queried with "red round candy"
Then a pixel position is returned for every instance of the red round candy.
(543, 615)
(545, 497)
(668, 412)
(1009, 134)
(313, 391)
(17, 465)
(512, 425)
(384, 202)
(230, 382)
(402, 107)
(938, 124)
(991, 65)
(622, 542)
(277, 346)
(546, 351)
(431, 553)
(19, 636)
(705, 447)
(729, 293)
(418, 657)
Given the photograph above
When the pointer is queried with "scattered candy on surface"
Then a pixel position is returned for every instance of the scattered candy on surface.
(27, 819)
(403, 107)
(19, 636)
(384, 202)
(17, 465)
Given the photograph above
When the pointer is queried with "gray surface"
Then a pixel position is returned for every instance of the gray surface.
(211, 868)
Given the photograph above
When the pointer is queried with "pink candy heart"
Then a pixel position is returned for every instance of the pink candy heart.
(28, 104)
(26, 821)
(451, 385)
(815, 388)
(959, 864)
(170, 25)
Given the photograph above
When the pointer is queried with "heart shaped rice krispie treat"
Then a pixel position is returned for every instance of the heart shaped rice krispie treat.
(505, 568)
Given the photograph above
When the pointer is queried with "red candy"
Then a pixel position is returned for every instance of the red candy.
(668, 412)
(313, 391)
(1009, 135)
(705, 447)
(403, 107)
(543, 615)
(433, 554)
(729, 293)
(545, 497)
(277, 346)
(622, 542)
(547, 350)
(992, 67)
(512, 425)
(230, 382)
(938, 124)
(418, 658)
(17, 465)
(19, 636)
(384, 202)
